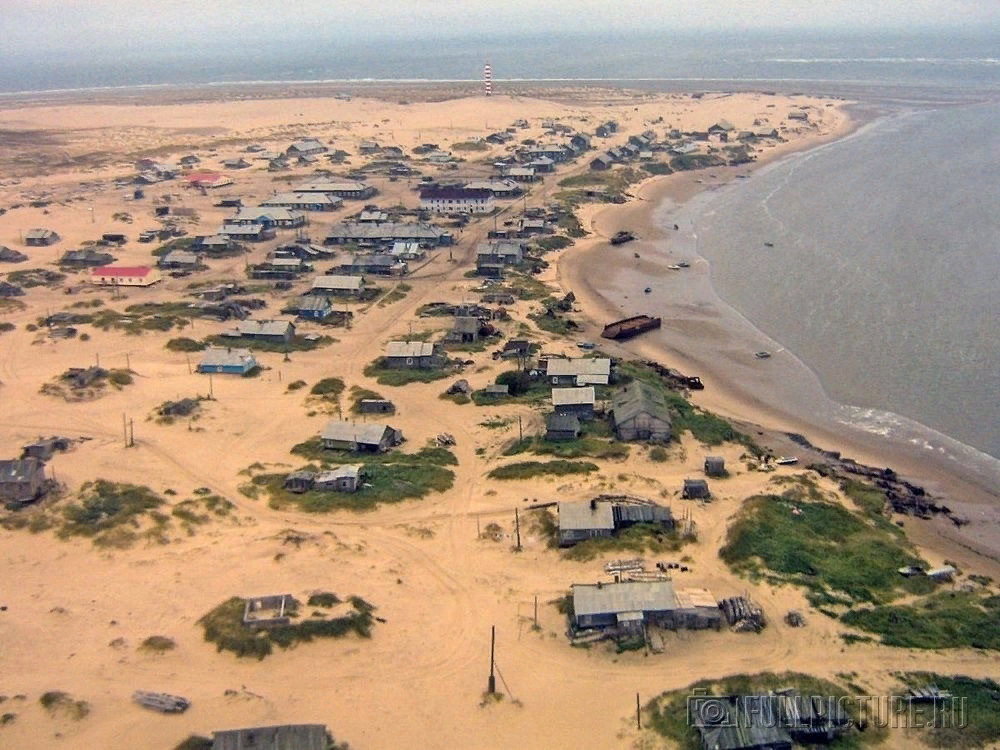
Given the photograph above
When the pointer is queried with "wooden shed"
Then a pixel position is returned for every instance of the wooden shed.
(695, 489)
(715, 466)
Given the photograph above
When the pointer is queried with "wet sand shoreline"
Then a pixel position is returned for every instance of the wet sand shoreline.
(697, 340)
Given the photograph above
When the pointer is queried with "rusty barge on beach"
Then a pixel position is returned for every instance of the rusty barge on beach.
(629, 327)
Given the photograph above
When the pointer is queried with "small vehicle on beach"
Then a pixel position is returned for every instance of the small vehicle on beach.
(636, 254)
(768, 244)
(683, 264)
(762, 354)
(647, 290)
(586, 345)
(620, 238)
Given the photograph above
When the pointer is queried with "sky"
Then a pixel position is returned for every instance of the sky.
(90, 26)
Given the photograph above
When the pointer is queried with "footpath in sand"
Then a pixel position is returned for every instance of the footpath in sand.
(76, 614)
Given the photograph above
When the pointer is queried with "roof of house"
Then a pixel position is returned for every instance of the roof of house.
(466, 324)
(347, 471)
(579, 516)
(498, 389)
(307, 144)
(338, 186)
(349, 283)
(301, 198)
(220, 357)
(494, 186)
(262, 327)
(499, 248)
(628, 596)
(287, 737)
(571, 396)
(19, 470)
(311, 302)
(350, 432)
(579, 366)
(562, 423)
(638, 398)
(454, 193)
(38, 234)
(126, 271)
(242, 229)
(185, 257)
(274, 213)
(409, 349)
(389, 230)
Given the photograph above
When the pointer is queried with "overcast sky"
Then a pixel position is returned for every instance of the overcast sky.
(88, 25)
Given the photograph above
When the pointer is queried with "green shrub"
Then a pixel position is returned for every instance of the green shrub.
(183, 344)
(330, 387)
(529, 469)
(158, 644)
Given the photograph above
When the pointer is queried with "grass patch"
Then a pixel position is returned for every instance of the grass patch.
(667, 715)
(395, 294)
(388, 478)
(403, 376)
(978, 723)
(108, 512)
(295, 385)
(530, 469)
(555, 324)
(158, 644)
(323, 599)
(470, 146)
(525, 287)
(57, 701)
(943, 620)
(194, 742)
(329, 388)
(581, 447)
(224, 627)
(556, 242)
(840, 556)
(643, 538)
(184, 344)
(297, 343)
(659, 454)
(657, 168)
(686, 162)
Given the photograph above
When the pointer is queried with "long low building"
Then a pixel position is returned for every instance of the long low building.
(630, 605)
(125, 275)
(449, 200)
(365, 437)
(386, 233)
(304, 201)
(338, 285)
(352, 189)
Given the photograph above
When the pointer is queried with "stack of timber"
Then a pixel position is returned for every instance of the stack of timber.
(162, 702)
(742, 615)
(625, 566)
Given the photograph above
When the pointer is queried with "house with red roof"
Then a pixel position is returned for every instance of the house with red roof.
(125, 275)
(208, 179)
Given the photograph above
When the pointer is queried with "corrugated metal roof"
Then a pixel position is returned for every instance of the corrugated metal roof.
(219, 357)
(288, 737)
(19, 470)
(124, 271)
(571, 396)
(409, 349)
(300, 198)
(349, 432)
(340, 186)
(628, 596)
(691, 598)
(580, 516)
(349, 283)
(263, 327)
(348, 471)
(579, 366)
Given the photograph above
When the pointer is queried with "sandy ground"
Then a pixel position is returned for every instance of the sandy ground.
(419, 680)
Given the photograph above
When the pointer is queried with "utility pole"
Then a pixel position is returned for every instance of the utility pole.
(211, 393)
(517, 528)
(125, 429)
(536, 610)
(128, 364)
(492, 684)
(638, 713)
(520, 431)
(131, 433)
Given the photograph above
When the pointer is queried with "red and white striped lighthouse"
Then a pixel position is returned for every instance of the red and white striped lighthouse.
(488, 79)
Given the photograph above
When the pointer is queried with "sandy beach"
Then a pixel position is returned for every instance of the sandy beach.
(74, 614)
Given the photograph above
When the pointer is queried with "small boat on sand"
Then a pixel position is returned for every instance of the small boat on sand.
(786, 460)
(768, 244)
(674, 267)
(762, 355)
(162, 702)
(684, 264)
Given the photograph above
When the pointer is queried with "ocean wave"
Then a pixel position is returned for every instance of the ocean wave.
(890, 60)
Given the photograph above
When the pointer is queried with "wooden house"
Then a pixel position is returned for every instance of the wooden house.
(639, 412)
(125, 275)
(338, 285)
(715, 466)
(577, 371)
(22, 481)
(274, 331)
(372, 438)
(457, 200)
(420, 355)
(227, 361)
(695, 489)
(311, 307)
(40, 237)
(376, 406)
(562, 427)
(286, 737)
(576, 401)
(345, 478)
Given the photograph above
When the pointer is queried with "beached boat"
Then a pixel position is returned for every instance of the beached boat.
(674, 267)
(762, 355)
(620, 238)
(786, 460)
(626, 328)
(768, 244)
(683, 264)
(162, 702)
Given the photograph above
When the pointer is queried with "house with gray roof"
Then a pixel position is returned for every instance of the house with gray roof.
(420, 355)
(21, 481)
(338, 285)
(275, 331)
(386, 233)
(350, 189)
(584, 520)
(562, 427)
(578, 401)
(306, 147)
(274, 216)
(364, 437)
(179, 259)
(286, 737)
(640, 412)
(604, 604)
(227, 360)
(40, 237)
(342, 479)
(298, 201)
(578, 371)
